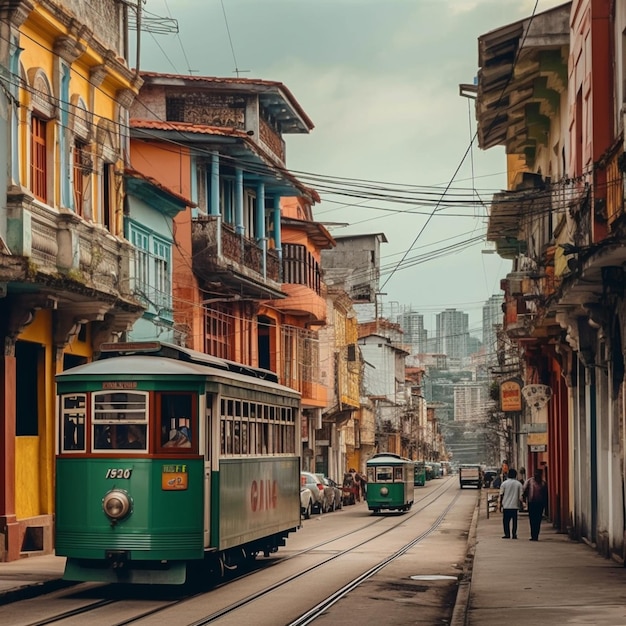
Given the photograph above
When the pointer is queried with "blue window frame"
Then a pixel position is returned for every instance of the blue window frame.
(153, 269)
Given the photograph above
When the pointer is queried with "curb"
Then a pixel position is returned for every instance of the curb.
(461, 605)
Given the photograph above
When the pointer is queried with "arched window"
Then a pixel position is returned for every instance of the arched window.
(107, 143)
(42, 111)
(82, 159)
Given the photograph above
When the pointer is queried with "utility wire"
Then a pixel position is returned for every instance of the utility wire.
(230, 41)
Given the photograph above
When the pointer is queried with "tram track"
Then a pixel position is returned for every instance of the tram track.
(392, 520)
(323, 606)
(313, 613)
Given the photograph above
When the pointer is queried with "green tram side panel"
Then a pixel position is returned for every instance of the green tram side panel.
(254, 498)
(162, 525)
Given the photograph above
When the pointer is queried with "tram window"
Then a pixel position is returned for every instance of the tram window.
(383, 474)
(227, 437)
(120, 405)
(244, 437)
(120, 437)
(398, 473)
(237, 437)
(120, 420)
(177, 421)
(291, 434)
(73, 423)
(276, 439)
(265, 436)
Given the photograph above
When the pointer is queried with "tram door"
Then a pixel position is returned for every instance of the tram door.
(208, 438)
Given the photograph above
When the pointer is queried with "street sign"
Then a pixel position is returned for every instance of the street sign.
(538, 448)
(537, 427)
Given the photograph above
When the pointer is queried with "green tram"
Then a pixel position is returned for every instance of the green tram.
(172, 464)
(390, 480)
(419, 474)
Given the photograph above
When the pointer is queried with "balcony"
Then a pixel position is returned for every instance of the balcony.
(235, 261)
(306, 294)
(78, 265)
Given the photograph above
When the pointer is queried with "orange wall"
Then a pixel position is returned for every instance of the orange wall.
(171, 166)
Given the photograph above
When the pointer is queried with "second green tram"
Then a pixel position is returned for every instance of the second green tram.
(390, 479)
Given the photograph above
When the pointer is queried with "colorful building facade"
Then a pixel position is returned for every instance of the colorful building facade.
(64, 262)
(550, 90)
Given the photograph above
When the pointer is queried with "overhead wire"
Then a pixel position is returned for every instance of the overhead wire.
(460, 198)
(509, 78)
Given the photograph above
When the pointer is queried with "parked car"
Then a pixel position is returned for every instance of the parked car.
(317, 488)
(337, 492)
(306, 502)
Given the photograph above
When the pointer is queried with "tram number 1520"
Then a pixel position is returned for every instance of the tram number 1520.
(118, 473)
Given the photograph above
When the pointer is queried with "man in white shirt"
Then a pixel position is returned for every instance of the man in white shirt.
(510, 499)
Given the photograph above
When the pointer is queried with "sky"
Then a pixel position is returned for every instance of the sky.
(380, 81)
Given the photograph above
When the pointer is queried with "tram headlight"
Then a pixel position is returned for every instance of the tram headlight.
(384, 491)
(116, 504)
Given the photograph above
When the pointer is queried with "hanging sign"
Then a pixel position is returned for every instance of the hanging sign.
(510, 396)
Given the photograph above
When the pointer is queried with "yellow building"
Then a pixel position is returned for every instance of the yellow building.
(64, 264)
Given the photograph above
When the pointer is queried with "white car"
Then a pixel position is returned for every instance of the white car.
(306, 502)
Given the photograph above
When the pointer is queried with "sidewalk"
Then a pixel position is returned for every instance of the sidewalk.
(551, 582)
(30, 577)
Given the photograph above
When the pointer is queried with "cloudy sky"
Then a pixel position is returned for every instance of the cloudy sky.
(380, 81)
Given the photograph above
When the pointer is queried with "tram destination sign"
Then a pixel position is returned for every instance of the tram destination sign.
(119, 384)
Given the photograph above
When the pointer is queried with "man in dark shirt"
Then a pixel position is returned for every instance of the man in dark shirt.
(536, 494)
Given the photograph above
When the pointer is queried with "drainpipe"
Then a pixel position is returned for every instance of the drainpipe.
(239, 227)
(260, 226)
(67, 198)
(278, 242)
(214, 200)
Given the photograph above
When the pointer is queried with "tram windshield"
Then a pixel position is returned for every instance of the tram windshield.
(383, 474)
(119, 421)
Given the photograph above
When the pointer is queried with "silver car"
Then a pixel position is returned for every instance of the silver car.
(334, 493)
(321, 499)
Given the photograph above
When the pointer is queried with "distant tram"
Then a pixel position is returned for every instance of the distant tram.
(390, 482)
(420, 474)
(171, 461)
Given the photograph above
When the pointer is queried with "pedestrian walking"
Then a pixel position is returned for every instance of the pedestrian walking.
(536, 495)
(510, 500)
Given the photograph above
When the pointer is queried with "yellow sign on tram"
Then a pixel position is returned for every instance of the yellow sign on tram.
(174, 478)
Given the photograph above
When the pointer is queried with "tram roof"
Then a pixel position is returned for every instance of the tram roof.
(388, 458)
(134, 366)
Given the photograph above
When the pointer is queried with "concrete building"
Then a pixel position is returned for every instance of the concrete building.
(493, 317)
(357, 259)
(452, 333)
(470, 402)
(415, 335)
